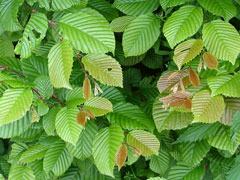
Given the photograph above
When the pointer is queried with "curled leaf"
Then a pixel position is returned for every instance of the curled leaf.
(210, 61)
(121, 156)
(194, 78)
(86, 88)
(90, 113)
(82, 118)
(200, 65)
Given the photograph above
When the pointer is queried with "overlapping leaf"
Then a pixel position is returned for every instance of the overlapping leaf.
(207, 109)
(170, 3)
(130, 117)
(187, 51)
(66, 125)
(105, 146)
(119, 24)
(144, 141)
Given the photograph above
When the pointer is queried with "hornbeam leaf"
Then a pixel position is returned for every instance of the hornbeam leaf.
(222, 40)
(98, 106)
(224, 8)
(182, 24)
(207, 109)
(8, 14)
(130, 117)
(66, 125)
(121, 156)
(227, 85)
(60, 61)
(105, 146)
(39, 23)
(187, 51)
(136, 7)
(104, 68)
(6, 48)
(83, 148)
(210, 61)
(166, 119)
(21, 172)
(170, 3)
(144, 141)
(14, 104)
(119, 24)
(140, 35)
(88, 31)
(57, 159)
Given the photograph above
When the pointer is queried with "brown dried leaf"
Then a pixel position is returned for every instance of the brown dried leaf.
(210, 61)
(177, 103)
(121, 156)
(86, 88)
(194, 78)
(82, 118)
(200, 65)
(188, 104)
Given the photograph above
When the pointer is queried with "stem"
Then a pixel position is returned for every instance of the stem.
(6, 67)
(41, 98)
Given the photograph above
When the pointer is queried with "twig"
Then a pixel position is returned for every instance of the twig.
(6, 67)
(30, 7)
(41, 98)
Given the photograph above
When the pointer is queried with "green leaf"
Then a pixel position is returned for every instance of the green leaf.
(119, 24)
(75, 97)
(21, 172)
(66, 125)
(222, 40)
(105, 8)
(60, 64)
(38, 23)
(112, 94)
(183, 172)
(207, 109)
(8, 14)
(83, 148)
(59, 5)
(43, 85)
(105, 146)
(57, 159)
(130, 116)
(224, 8)
(12, 81)
(88, 31)
(233, 174)
(104, 68)
(160, 163)
(232, 105)
(198, 131)
(187, 51)
(193, 152)
(223, 140)
(146, 142)
(135, 7)
(226, 85)
(140, 35)
(6, 48)
(182, 24)
(34, 66)
(14, 104)
(169, 119)
(34, 153)
(49, 121)
(170, 3)
(17, 127)
(99, 106)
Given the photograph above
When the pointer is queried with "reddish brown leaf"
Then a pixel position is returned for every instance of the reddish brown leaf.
(82, 118)
(200, 65)
(210, 61)
(194, 78)
(90, 113)
(188, 103)
(177, 103)
(173, 75)
(121, 156)
(86, 88)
